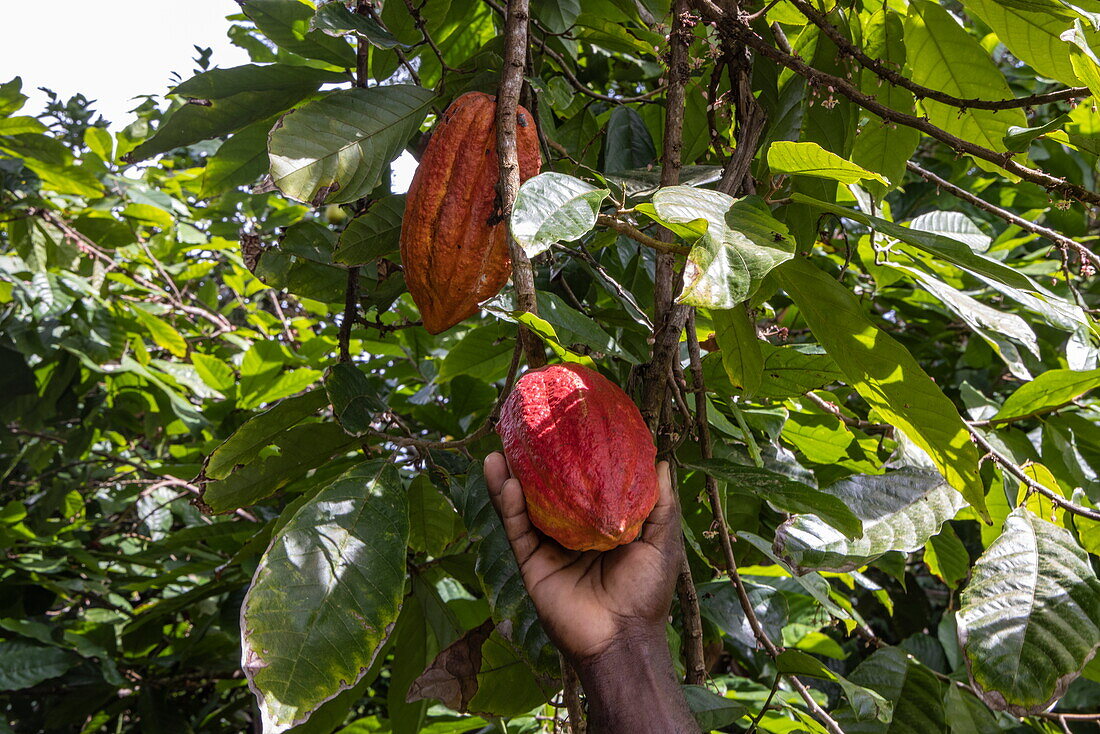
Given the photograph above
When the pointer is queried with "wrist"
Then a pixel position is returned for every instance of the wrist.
(631, 687)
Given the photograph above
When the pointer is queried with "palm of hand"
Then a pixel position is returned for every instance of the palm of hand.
(587, 599)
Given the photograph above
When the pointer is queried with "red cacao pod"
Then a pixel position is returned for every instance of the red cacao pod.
(454, 246)
(583, 455)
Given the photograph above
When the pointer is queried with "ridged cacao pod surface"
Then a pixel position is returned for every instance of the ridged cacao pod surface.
(454, 246)
(583, 455)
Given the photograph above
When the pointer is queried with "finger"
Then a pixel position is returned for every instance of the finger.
(520, 532)
(496, 474)
(663, 524)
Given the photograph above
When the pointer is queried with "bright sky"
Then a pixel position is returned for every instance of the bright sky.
(113, 50)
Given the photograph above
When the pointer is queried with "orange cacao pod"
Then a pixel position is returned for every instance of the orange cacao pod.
(583, 455)
(454, 247)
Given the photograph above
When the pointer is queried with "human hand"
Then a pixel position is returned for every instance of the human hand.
(589, 601)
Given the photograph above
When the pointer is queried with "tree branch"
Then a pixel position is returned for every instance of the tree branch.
(703, 426)
(511, 82)
(922, 92)
(1053, 184)
(628, 229)
(1010, 466)
(1063, 242)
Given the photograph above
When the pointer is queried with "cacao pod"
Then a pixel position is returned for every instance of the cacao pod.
(454, 246)
(583, 455)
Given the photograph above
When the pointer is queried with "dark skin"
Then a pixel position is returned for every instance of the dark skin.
(606, 611)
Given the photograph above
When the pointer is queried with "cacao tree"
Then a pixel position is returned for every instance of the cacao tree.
(842, 256)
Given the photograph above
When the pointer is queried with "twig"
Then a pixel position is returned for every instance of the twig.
(571, 693)
(694, 659)
(1058, 239)
(628, 229)
(724, 531)
(1010, 466)
(609, 281)
(511, 82)
(351, 309)
(669, 317)
(767, 702)
(1054, 184)
(922, 92)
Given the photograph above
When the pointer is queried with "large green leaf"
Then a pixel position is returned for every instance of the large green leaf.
(900, 511)
(628, 144)
(786, 495)
(293, 454)
(810, 159)
(228, 100)
(326, 595)
(553, 207)
(374, 233)
(913, 690)
(24, 664)
(355, 396)
(886, 375)
(1031, 37)
(240, 161)
(1030, 616)
(288, 24)
(1049, 391)
(742, 243)
(943, 56)
(336, 149)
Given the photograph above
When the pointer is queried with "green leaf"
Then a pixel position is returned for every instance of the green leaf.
(1020, 138)
(1048, 392)
(214, 372)
(810, 159)
(335, 150)
(628, 144)
(485, 351)
(374, 233)
(886, 375)
(225, 83)
(953, 251)
(1032, 37)
(20, 125)
(287, 23)
(553, 207)
(943, 56)
(573, 327)
(954, 226)
(742, 243)
(946, 557)
(240, 161)
(291, 455)
(24, 664)
(433, 522)
(558, 15)
(1030, 616)
(259, 431)
(354, 397)
(914, 692)
(326, 595)
(710, 710)
(866, 703)
(742, 357)
(229, 100)
(163, 333)
(11, 96)
(335, 19)
(786, 495)
(900, 511)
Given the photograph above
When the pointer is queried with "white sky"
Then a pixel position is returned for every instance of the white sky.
(113, 50)
(110, 50)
